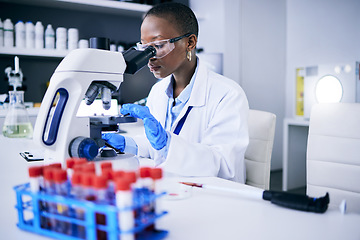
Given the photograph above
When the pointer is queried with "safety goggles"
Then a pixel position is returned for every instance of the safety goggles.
(163, 47)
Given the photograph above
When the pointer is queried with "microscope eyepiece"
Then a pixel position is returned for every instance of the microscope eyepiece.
(135, 60)
(152, 50)
(100, 43)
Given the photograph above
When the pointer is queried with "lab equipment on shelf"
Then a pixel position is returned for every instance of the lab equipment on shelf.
(29, 35)
(49, 37)
(20, 34)
(56, 206)
(17, 122)
(39, 35)
(8, 33)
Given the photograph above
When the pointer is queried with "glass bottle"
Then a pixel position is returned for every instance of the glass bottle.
(17, 123)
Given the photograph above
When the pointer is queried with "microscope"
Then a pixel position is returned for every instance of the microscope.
(15, 76)
(82, 75)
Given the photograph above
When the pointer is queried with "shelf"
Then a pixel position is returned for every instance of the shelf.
(33, 52)
(100, 6)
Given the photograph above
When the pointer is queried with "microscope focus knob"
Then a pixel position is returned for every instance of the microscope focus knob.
(83, 147)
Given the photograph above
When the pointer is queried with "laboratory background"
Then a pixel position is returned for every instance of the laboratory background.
(266, 46)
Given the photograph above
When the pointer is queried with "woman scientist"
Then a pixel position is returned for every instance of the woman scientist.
(195, 120)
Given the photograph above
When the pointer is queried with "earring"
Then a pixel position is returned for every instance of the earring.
(188, 55)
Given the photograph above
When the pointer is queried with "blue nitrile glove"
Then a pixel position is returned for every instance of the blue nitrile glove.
(155, 133)
(115, 140)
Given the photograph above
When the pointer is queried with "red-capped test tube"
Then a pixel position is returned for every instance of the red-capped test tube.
(100, 189)
(146, 183)
(35, 174)
(76, 189)
(37, 185)
(61, 189)
(109, 175)
(87, 184)
(70, 162)
(157, 188)
(78, 193)
(124, 201)
(50, 189)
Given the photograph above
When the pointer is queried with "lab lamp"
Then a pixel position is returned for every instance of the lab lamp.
(330, 83)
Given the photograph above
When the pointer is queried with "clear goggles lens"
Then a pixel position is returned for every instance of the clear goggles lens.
(163, 47)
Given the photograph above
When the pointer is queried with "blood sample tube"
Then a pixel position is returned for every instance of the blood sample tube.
(124, 201)
(76, 185)
(109, 175)
(100, 189)
(70, 162)
(87, 185)
(61, 189)
(50, 190)
(35, 173)
(157, 188)
(87, 194)
(145, 193)
(78, 212)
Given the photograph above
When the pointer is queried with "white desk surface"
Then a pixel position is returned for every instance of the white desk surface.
(203, 215)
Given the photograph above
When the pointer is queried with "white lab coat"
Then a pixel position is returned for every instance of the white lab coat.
(214, 137)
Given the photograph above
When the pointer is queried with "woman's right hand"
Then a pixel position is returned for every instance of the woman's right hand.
(115, 140)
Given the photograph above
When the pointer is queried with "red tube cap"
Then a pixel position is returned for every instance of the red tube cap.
(106, 165)
(60, 175)
(145, 172)
(70, 162)
(122, 184)
(130, 176)
(156, 173)
(87, 179)
(100, 182)
(76, 178)
(35, 171)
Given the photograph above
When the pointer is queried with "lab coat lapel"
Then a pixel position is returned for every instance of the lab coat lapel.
(198, 93)
(163, 104)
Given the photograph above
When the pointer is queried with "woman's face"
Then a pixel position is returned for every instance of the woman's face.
(154, 29)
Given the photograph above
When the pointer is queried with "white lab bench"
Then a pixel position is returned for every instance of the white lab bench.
(201, 215)
(294, 153)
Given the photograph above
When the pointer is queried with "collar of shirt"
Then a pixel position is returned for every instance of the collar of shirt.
(174, 109)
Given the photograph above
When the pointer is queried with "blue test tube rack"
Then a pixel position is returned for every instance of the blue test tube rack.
(30, 203)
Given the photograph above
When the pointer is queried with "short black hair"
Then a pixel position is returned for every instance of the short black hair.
(179, 14)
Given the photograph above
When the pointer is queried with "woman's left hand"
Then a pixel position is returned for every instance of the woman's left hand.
(155, 133)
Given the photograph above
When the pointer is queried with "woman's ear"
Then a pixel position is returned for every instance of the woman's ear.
(192, 42)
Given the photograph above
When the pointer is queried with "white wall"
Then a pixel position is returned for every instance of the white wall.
(263, 62)
(251, 36)
(319, 32)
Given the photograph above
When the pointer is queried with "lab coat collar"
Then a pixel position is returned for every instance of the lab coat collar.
(199, 86)
(198, 93)
(197, 96)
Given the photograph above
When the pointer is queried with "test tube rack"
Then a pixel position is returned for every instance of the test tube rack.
(30, 215)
